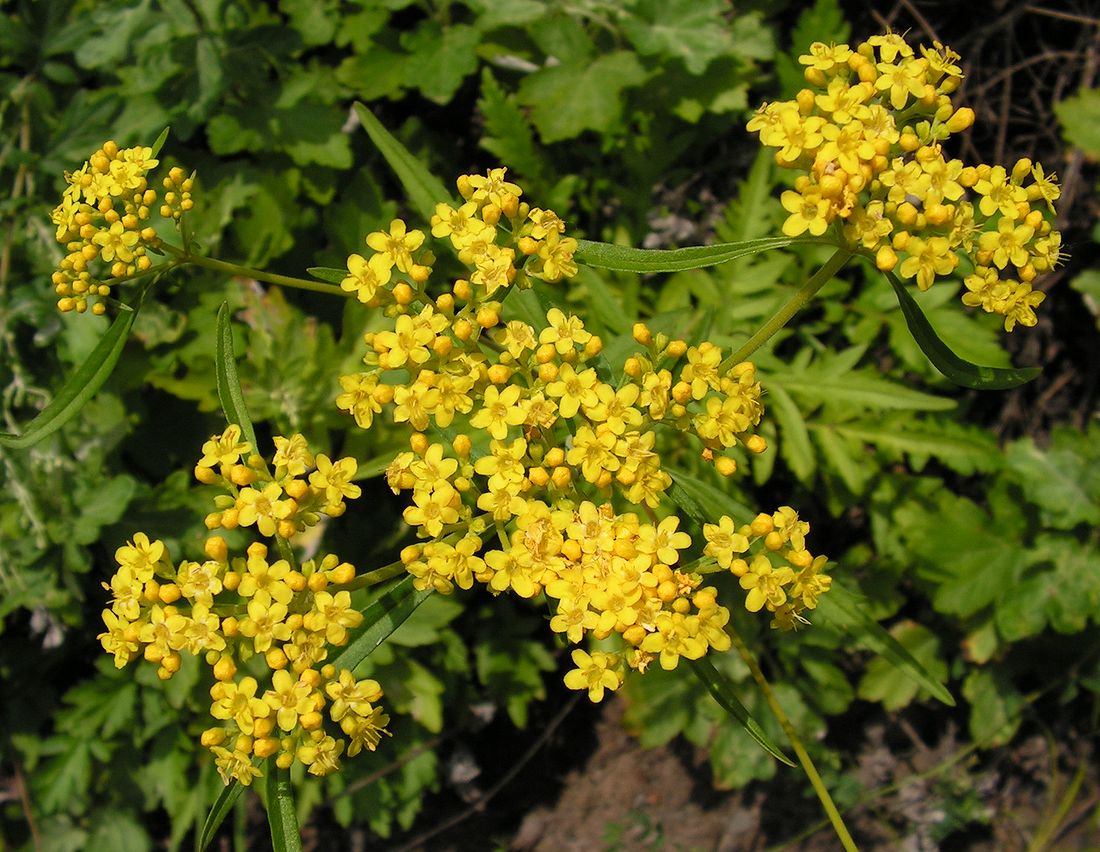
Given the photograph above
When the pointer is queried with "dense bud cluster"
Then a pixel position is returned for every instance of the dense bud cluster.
(867, 136)
(263, 625)
(545, 474)
(104, 222)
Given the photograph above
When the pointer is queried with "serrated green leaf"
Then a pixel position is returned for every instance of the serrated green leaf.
(995, 706)
(1061, 481)
(222, 806)
(570, 98)
(229, 386)
(794, 438)
(444, 57)
(843, 611)
(725, 694)
(80, 387)
(1079, 116)
(961, 372)
(694, 31)
(964, 449)
(508, 134)
(380, 619)
(868, 390)
(627, 259)
(424, 190)
(281, 816)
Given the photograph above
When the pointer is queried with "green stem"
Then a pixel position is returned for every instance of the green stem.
(803, 757)
(378, 575)
(258, 274)
(793, 305)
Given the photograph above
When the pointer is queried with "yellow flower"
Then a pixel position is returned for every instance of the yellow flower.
(595, 672)
(563, 331)
(365, 277)
(809, 212)
(395, 248)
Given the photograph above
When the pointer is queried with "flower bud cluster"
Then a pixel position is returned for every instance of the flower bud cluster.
(544, 474)
(867, 136)
(104, 223)
(263, 625)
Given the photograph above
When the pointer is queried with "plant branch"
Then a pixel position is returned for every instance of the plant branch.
(792, 306)
(244, 271)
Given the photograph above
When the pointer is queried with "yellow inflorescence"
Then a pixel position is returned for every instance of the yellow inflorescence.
(103, 221)
(545, 475)
(867, 136)
(256, 614)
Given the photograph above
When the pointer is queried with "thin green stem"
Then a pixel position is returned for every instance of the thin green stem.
(796, 743)
(258, 274)
(378, 575)
(792, 306)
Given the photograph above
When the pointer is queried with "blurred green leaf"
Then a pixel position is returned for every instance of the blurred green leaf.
(894, 687)
(229, 386)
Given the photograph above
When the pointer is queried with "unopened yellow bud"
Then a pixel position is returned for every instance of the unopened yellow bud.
(739, 567)
(546, 353)
(212, 737)
(554, 456)
(676, 348)
(762, 524)
(773, 541)
(342, 574)
(445, 302)
(548, 372)
(886, 258)
(908, 141)
(528, 245)
(265, 747)
(538, 476)
(230, 626)
(642, 334)
(632, 367)
(561, 476)
(462, 290)
(725, 465)
(403, 294)
(169, 593)
(805, 101)
(310, 721)
(499, 374)
(635, 634)
(756, 444)
(462, 445)
(571, 550)
(276, 659)
(593, 347)
(419, 443)
(225, 669)
(681, 392)
(205, 475)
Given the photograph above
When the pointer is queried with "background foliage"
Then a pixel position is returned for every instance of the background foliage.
(966, 523)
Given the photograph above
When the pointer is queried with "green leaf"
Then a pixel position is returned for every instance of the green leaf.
(961, 372)
(694, 31)
(573, 97)
(1062, 481)
(443, 59)
(281, 816)
(1088, 285)
(891, 686)
(328, 273)
(865, 389)
(842, 610)
(627, 259)
(794, 443)
(995, 706)
(222, 806)
(722, 689)
(380, 619)
(702, 501)
(229, 386)
(424, 190)
(1080, 119)
(160, 140)
(80, 387)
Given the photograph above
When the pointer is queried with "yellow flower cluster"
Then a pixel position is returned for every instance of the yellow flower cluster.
(548, 475)
(263, 625)
(103, 223)
(867, 135)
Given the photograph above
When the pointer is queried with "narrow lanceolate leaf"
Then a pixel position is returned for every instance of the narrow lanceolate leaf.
(159, 143)
(722, 689)
(958, 370)
(380, 619)
(80, 387)
(841, 609)
(328, 273)
(281, 816)
(627, 259)
(224, 804)
(704, 502)
(229, 386)
(423, 189)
